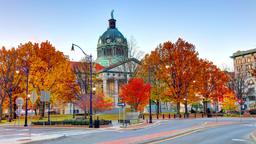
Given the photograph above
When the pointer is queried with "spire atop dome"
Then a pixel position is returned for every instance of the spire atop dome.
(112, 21)
(112, 14)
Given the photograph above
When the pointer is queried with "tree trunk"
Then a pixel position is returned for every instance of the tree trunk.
(14, 111)
(1, 111)
(158, 107)
(41, 109)
(178, 107)
(205, 106)
(10, 107)
(85, 114)
(186, 109)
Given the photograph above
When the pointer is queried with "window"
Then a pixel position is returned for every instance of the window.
(249, 59)
(243, 61)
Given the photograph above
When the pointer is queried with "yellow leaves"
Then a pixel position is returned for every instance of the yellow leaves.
(48, 69)
(229, 101)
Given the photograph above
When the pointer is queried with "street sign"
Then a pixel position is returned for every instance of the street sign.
(33, 97)
(18, 111)
(121, 104)
(19, 101)
(45, 96)
(42, 96)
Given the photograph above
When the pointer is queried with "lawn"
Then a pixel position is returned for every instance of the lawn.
(59, 118)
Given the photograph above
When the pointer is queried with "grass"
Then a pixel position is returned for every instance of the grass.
(59, 118)
(67, 117)
(108, 116)
(36, 118)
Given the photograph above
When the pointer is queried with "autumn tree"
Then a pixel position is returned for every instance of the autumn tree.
(178, 75)
(47, 69)
(101, 103)
(82, 90)
(229, 101)
(148, 70)
(9, 79)
(179, 68)
(213, 83)
(136, 93)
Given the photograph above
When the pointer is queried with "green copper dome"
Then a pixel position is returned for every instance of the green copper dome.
(112, 45)
(112, 35)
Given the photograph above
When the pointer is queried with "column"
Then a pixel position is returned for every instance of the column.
(105, 87)
(116, 93)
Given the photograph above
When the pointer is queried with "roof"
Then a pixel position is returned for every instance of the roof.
(242, 53)
(82, 66)
(119, 63)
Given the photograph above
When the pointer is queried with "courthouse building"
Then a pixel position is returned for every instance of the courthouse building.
(113, 56)
(113, 66)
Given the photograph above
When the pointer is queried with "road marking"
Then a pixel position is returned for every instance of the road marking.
(171, 138)
(240, 140)
(249, 125)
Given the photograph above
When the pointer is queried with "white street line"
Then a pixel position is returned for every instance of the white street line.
(240, 140)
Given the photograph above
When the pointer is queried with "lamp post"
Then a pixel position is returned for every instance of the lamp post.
(150, 110)
(89, 57)
(26, 70)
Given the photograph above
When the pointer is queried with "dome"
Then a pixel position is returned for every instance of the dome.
(112, 35)
(112, 45)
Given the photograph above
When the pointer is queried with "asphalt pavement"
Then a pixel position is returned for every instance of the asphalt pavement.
(229, 134)
(229, 131)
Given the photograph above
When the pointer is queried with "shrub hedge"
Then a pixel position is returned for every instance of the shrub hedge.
(252, 111)
(70, 122)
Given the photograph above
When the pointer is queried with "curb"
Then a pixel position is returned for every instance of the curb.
(253, 136)
(45, 140)
(140, 126)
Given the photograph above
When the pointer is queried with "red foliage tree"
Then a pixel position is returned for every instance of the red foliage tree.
(101, 103)
(136, 93)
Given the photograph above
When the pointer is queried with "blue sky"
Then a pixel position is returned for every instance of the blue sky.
(216, 27)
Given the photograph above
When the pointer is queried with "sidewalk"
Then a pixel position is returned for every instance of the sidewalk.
(25, 135)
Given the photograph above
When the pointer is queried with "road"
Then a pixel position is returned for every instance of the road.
(230, 130)
(230, 134)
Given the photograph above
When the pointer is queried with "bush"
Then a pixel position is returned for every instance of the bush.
(252, 111)
(231, 115)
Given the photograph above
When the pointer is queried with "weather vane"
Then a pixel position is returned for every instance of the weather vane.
(112, 14)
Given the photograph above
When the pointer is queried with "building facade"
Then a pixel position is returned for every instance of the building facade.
(116, 66)
(244, 63)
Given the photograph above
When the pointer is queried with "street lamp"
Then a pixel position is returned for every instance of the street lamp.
(94, 89)
(26, 70)
(89, 58)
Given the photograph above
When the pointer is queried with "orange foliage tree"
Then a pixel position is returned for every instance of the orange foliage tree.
(48, 70)
(213, 83)
(136, 93)
(175, 67)
(178, 75)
